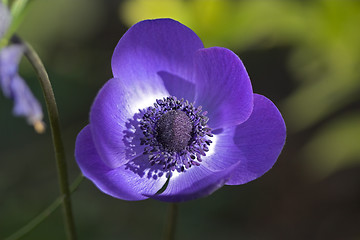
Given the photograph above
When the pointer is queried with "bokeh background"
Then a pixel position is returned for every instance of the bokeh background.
(304, 55)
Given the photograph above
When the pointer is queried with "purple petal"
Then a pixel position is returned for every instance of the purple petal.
(254, 144)
(128, 182)
(260, 140)
(223, 87)
(194, 183)
(25, 104)
(9, 61)
(15, 88)
(113, 119)
(157, 55)
(223, 153)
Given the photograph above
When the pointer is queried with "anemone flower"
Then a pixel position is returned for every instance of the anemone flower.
(178, 121)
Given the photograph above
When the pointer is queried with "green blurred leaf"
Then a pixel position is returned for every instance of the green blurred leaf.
(335, 146)
(326, 59)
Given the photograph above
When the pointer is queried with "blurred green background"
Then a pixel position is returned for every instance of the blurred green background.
(304, 55)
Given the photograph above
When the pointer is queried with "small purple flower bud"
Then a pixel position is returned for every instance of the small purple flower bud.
(15, 88)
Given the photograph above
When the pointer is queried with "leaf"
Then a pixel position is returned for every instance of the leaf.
(335, 146)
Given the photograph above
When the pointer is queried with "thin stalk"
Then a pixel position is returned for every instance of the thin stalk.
(171, 222)
(53, 114)
(22, 232)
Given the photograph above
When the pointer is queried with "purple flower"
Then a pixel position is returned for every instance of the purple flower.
(15, 88)
(12, 85)
(177, 121)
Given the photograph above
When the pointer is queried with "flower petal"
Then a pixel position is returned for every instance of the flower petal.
(15, 88)
(114, 119)
(157, 55)
(128, 182)
(254, 144)
(9, 61)
(222, 153)
(194, 183)
(223, 87)
(25, 104)
(260, 140)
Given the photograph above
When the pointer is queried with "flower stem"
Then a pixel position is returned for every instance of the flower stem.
(53, 114)
(171, 222)
(45, 213)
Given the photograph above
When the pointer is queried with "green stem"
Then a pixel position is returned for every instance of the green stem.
(44, 214)
(171, 222)
(53, 114)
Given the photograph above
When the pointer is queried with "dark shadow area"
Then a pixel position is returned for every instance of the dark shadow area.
(140, 163)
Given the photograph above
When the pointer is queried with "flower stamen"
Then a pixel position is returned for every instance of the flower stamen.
(176, 134)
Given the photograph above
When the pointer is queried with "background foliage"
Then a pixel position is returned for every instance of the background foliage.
(304, 55)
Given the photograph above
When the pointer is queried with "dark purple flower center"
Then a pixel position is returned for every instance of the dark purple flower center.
(174, 130)
(175, 133)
